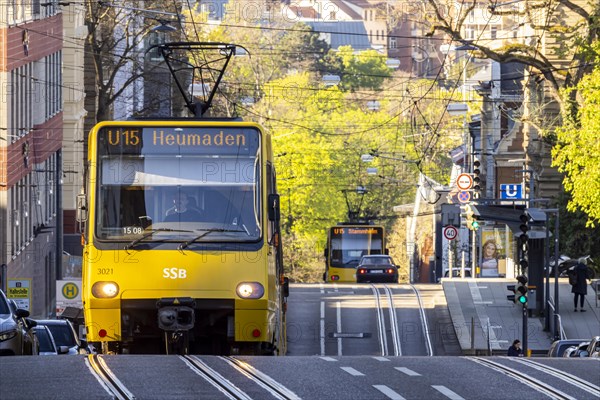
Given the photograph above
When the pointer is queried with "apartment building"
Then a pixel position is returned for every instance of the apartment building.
(31, 140)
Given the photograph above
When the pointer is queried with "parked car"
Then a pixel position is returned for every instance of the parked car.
(64, 335)
(593, 349)
(456, 272)
(577, 351)
(48, 346)
(558, 347)
(16, 330)
(376, 268)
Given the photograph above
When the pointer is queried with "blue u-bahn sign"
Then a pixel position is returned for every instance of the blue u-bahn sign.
(511, 191)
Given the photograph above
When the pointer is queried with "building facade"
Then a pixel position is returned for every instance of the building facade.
(31, 136)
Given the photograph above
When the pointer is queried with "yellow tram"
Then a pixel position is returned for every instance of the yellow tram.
(182, 252)
(346, 244)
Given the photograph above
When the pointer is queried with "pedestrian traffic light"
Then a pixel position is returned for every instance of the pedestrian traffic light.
(521, 291)
(476, 178)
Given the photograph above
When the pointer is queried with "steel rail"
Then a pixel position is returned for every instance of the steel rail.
(275, 388)
(380, 322)
(393, 322)
(107, 379)
(214, 378)
(424, 324)
(542, 387)
(564, 376)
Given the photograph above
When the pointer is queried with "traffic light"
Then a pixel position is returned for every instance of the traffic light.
(472, 222)
(512, 297)
(476, 178)
(521, 292)
(524, 242)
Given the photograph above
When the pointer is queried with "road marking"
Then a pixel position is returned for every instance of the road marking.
(352, 371)
(339, 326)
(322, 323)
(447, 392)
(407, 371)
(378, 358)
(359, 335)
(328, 359)
(388, 392)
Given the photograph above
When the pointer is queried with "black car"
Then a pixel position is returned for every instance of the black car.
(376, 268)
(65, 336)
(16, 330)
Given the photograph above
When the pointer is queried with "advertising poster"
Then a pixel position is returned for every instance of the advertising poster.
(496, 246)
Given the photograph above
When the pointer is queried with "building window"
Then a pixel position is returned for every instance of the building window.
(393, 43)
(493, 32)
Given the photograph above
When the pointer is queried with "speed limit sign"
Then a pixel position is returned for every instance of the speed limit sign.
(450, 232)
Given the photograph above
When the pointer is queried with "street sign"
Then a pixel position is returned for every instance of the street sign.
(19, 290)
(464, 181)
(464, 197)
(450, 232)
(511, 191)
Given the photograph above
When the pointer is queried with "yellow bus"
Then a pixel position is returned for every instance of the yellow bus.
(346, 244)
(182, 250)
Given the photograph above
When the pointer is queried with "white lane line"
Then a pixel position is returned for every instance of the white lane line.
(378, 358)
(447, 392)
(328, 359)
(407, 371)
(388, 392)
(352, 371)
(322, 322)
(339, 326)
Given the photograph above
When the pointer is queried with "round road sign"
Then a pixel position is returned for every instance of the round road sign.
(450, 232)
(464, 181)
(464, 196)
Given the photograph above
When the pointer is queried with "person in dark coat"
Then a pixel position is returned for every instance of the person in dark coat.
(580, 287)
(515, 349)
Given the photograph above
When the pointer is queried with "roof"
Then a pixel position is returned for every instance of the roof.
(342, 33)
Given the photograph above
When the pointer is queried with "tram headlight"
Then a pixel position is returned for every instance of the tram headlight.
(250, 290)
(105, 290)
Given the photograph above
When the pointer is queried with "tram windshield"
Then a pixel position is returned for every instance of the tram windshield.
(349, 244)
(173, 183)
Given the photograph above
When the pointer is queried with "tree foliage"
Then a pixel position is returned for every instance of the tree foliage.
(577, 153)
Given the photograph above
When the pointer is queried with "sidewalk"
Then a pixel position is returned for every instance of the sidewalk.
(480, 306)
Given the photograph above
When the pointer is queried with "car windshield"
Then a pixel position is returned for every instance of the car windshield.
(44, 340)
(4, 308)
(376, 260)
(63, 335)
(170, 182)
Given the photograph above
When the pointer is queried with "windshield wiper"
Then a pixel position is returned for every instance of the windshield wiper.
(204, 233)
(351, 261)
(147, 234)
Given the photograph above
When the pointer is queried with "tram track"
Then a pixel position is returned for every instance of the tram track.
(522, 377)
(562, 375)
(275, 388)
(107, 378)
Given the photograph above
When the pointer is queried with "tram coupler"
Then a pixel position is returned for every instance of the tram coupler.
(176, 314)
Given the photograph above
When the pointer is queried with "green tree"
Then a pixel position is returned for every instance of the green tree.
(577, 152)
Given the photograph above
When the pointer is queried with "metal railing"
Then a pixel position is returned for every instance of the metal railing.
(555, 321)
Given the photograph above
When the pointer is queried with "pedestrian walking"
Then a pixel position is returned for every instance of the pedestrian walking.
(579, 283)
(515, 349)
